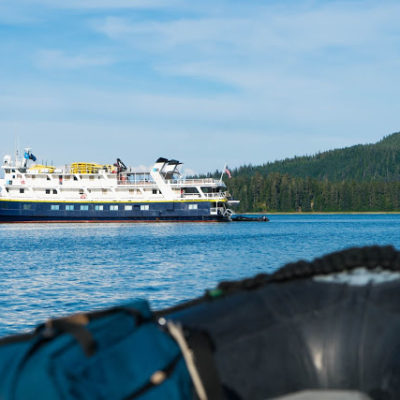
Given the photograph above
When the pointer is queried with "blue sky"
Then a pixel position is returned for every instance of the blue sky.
(205, 82)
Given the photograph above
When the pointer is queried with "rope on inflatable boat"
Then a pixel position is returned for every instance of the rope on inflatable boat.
(370, 257)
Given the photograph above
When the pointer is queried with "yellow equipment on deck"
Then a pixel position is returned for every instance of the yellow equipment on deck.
(85, 168)
(42, 168)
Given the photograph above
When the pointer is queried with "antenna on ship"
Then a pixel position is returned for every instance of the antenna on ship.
(16, 148)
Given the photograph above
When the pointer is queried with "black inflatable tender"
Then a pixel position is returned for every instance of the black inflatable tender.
(290, 331)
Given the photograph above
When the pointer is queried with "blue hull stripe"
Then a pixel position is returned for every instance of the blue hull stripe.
(20, 211)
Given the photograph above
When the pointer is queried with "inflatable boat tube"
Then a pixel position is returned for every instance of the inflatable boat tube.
(332, 324)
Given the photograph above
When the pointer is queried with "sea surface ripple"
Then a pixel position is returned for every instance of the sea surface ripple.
(50, 270)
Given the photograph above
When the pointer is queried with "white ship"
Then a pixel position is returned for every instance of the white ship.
(89, 192)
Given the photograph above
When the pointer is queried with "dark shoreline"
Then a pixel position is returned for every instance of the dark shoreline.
(323, 213)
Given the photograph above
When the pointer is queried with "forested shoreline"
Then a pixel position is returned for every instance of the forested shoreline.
(364, 178)
(282, 193)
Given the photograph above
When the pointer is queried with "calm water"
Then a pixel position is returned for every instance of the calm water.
(52, 270)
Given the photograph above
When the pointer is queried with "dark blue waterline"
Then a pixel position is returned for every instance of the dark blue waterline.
(24, 211)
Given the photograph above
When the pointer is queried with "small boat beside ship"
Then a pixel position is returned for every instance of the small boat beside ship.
(249, 218)
(91, 192)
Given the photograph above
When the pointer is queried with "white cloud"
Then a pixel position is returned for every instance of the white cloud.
(245, 82)
(101, 4)
(107, 4)
(57, 59)
(31, 12)
(126, 105)
(266, 28)
(113, 27)
(227, 48)
(11, 15)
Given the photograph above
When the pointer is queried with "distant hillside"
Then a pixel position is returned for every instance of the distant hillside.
(379, 161)
(358, 178)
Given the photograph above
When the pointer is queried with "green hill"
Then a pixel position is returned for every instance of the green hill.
(358, 178)
(392, 140)
(379, 161)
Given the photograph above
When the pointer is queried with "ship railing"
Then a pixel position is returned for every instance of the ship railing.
(107, 183)
(219, 195)
(136, 183)
(210, 196)
(191, 195)
(204, 181)
(83, 182)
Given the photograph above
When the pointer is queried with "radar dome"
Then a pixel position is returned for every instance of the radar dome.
(7, 160)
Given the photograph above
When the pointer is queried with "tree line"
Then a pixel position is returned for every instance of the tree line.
(379, 161)
(356, 178)
(281, 192)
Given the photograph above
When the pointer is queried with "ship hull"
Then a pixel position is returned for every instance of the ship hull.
(37, 211)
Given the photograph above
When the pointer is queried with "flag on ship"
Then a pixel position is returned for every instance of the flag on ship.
(29, 156)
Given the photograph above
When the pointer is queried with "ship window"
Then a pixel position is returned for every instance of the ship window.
(54, 207)
(104, 191)
(75, 178)
(144, 207)
(136, 207)
(128, 208)
(48, 177)
(54, 191)
(192, 207)
(7, 171)
(113, 208)
(69, 207)
(84, 207)
(22, 190)
(47, 191)
(19, 176)
(98, 207)
(27, 206)
(190, 190)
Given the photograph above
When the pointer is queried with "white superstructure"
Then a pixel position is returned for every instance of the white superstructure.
(95, 183)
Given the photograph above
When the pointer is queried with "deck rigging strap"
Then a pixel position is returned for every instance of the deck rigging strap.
(156, 379)
(197, 351)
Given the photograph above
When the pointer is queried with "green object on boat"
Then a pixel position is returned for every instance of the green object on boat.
(215, 292)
